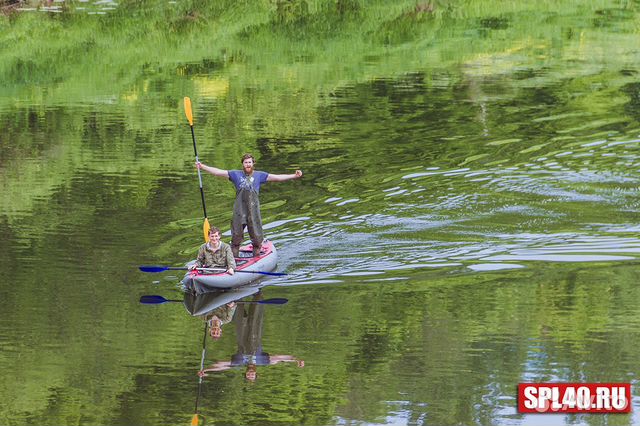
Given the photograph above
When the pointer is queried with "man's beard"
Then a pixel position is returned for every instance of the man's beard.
(249, 171)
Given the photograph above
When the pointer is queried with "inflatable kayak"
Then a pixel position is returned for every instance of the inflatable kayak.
(201, 281)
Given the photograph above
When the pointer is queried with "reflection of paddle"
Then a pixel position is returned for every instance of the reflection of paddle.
(184, 268)
(157, 300)
(189, 113)
(194, 420)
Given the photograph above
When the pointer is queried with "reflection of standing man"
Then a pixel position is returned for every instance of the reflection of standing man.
(249, 337)
(249, 320)
(246, 209)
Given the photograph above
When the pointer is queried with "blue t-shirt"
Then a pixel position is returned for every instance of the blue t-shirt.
(262, 358)
(242, 181)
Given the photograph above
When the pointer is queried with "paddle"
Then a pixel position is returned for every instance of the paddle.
(189, 113)
(195, 420)
(158, 300)
(184, 268)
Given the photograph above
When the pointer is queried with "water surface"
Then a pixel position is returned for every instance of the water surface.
(467, 219)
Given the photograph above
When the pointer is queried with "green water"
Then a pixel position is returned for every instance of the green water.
(467, 219)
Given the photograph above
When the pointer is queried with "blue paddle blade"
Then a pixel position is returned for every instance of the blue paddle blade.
(155, 300)
(274, 301)
(153, 268)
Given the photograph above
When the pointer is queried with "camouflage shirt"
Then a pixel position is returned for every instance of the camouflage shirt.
(224, 313)
(221, 258)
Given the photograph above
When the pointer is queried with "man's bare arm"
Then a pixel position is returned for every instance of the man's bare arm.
(213, 170)
(282, 178)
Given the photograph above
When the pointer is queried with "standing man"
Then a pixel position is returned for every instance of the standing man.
(246, 209)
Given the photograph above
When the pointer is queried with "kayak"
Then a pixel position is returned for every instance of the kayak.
(201, 304)
(202, 281)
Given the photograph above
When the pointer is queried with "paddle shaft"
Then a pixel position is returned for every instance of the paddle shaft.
(194, 420)
(158, 300)
(195, 151)
(154, 269)
(224, 270)
(188, 111)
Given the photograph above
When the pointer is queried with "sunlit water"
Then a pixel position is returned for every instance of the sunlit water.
(457, 231)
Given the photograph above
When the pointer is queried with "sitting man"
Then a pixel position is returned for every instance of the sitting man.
(215, 254)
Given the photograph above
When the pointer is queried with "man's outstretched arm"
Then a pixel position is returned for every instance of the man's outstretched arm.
(282, 178)
(213, 170)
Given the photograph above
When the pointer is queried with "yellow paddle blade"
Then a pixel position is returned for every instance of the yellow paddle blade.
(187, 110)
(194, 420)
(205, 228)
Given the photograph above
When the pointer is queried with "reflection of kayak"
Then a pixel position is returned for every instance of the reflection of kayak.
(202, 282)
(200, 304)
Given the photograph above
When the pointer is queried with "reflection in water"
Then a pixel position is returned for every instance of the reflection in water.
(217, 309)
(217, 306)
(218, 317)
(249, 319)
(89, 7)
